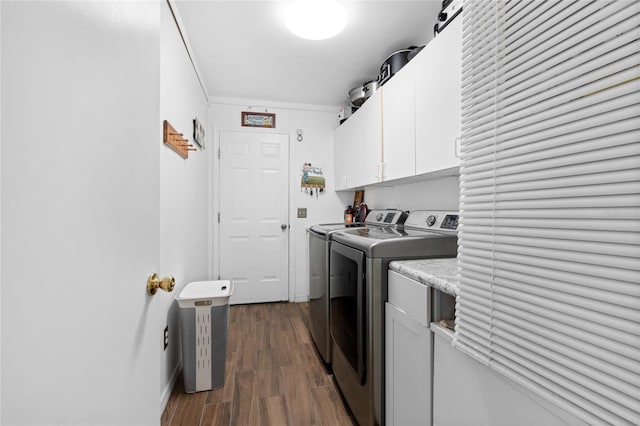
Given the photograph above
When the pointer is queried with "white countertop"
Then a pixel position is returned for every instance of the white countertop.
(440, 274)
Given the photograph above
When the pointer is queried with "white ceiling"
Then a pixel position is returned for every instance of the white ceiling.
(243, 49)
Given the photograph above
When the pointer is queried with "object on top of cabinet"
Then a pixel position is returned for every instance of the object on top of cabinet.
(357, 96)
(395, 62)
(450, 10)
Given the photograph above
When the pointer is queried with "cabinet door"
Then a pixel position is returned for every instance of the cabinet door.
(343, 148)
(439, 100)
(408, 350)
(399, 124)
(367, 160)
(358, 146)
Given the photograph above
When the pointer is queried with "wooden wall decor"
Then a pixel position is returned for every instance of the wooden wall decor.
(175, 140)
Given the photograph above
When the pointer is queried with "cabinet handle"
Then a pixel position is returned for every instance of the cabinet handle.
(455, 147)
(380, 170)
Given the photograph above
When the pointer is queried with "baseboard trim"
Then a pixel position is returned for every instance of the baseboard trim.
(166, 392)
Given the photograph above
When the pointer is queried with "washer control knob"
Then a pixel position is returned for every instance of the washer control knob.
(379, 217)
(431, 219)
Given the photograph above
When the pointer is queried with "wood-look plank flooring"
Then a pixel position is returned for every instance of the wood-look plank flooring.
(273, 375)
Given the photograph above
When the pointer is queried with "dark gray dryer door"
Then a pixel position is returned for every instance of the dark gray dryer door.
(347, 304)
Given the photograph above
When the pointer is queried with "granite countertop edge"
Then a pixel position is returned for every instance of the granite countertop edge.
(440, 274)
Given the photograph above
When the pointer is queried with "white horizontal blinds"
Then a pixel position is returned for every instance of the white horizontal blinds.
(550, 200)
(480, 61)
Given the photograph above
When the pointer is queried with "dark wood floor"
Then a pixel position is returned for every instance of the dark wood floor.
(273, 375)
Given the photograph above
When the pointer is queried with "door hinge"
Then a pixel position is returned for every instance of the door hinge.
(218, 217)
(218, 153)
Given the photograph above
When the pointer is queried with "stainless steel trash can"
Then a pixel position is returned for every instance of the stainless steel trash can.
(204, 318)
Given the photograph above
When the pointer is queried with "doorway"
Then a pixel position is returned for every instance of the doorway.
(254, 209)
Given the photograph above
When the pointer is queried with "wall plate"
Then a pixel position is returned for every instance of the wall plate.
(166, 337)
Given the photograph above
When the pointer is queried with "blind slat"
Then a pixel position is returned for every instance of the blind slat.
(560, 162)
(581, 42)
(621, 108)
(619, 213)
(530, 143)
(590, 276)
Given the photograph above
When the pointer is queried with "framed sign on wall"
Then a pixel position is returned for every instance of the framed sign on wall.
(198, 132)
(259, 119)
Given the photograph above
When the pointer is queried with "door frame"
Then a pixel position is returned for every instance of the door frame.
(215, 203)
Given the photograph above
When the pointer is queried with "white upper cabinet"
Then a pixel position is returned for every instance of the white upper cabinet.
(439, 100)
(358, 146)
(399, 124)
(410, 126)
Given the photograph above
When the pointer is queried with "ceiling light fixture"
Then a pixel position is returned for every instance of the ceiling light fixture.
(315, 19)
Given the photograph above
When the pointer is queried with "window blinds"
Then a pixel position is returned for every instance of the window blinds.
(549, 241)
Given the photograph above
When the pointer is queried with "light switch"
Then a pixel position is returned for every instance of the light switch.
(302, 212)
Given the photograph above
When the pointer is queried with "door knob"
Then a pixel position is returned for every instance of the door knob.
(154, 282)
(283, 226)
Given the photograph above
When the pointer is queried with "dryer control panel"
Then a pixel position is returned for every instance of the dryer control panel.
(437, 220)
(386, 217)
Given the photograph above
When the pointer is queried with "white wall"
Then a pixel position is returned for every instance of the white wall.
(436, 194)
(317, 123)
(184, 194)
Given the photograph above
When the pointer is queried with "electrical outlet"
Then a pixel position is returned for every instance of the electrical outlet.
(302, 212)
(166, 337)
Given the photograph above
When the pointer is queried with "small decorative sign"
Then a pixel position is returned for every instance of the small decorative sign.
(198, 132)
(312, 180)
(259, 119)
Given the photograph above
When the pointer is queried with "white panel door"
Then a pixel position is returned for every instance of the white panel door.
(81, 134)
(254, 222)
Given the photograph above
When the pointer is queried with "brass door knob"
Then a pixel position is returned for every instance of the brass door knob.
(153, 283)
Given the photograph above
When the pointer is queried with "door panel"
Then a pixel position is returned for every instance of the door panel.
(240, 209)
(238, 248)
(253, 207)
(81, 141)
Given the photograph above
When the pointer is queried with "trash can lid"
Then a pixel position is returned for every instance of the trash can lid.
(206, 290)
